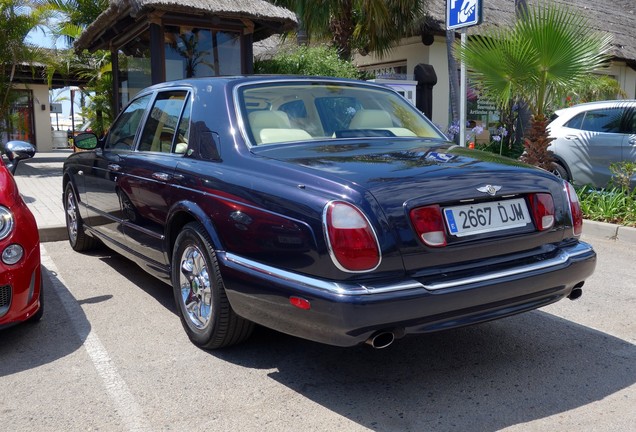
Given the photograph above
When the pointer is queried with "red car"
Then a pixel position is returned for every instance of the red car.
(20, 275)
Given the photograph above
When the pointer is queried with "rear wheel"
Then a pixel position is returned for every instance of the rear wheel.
(202, 304)
(560, 171)
(77, 237)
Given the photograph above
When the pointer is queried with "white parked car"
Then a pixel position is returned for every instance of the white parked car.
(590, 137)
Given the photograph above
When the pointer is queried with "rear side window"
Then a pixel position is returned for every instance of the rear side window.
(603, 120)
(162, 131)
(576, 121)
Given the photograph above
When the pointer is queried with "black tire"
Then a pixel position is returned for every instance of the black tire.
(560, 171)
(77, 237)
(202, 304)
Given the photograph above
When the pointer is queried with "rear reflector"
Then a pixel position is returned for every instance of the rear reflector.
(429, 225)
(300, 303)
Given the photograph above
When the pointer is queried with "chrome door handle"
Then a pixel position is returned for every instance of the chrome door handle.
(80, 173)
(632, 141)
(161, 176)
(114, 167)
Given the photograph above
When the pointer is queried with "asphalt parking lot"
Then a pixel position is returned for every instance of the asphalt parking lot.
(111, 355)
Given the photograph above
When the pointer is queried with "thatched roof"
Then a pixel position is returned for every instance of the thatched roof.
(268, 19)
(613, 16)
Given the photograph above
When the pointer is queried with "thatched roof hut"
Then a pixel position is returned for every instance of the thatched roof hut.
(258, 16)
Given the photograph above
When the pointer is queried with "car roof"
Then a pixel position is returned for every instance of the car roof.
(239, 79)
(597, 104)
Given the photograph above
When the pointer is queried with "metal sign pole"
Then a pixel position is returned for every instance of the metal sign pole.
(460, 15)
(462, 97)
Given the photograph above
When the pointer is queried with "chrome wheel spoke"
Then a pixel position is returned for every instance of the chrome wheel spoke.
(196, 292)
(71, 212)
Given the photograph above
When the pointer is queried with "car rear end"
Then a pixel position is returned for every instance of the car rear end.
(463, 242)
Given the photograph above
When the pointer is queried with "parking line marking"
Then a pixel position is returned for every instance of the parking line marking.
(126, 405)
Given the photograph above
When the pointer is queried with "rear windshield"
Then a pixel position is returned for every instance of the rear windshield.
(301, 111)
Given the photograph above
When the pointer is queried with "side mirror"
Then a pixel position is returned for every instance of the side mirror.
(17, 151)
(86, 141)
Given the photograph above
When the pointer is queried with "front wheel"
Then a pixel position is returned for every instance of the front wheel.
(202, 304)
(77, 237)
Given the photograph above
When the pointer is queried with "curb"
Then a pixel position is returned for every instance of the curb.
(609, 231)
(53, 234)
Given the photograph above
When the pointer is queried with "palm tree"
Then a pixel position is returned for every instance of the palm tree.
(366, 25)
(73, 16)
(547, 51)
(17, 19)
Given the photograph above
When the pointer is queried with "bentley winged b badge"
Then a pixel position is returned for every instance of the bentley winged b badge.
(489, 189)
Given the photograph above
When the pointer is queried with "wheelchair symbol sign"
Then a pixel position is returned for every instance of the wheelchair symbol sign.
(462, 13)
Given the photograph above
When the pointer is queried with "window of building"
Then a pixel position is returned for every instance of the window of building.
(134, 67)
(197, 52)
(21, 125)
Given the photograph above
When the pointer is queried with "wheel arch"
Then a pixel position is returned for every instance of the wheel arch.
(559, 160)
(183, 213)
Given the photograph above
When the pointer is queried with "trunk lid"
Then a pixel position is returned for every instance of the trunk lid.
(405, 174)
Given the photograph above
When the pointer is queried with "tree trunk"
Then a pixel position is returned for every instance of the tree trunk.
(342, 29)
(536, 144)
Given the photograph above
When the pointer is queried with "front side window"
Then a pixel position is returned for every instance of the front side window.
(122, 134)
(630, 121)
(163, 132)
(603, 120)
(276, 113)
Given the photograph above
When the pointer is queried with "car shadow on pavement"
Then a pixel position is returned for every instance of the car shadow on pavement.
(485, 377)
(62, 331)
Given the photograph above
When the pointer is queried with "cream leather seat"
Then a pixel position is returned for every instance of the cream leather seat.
(274, 126)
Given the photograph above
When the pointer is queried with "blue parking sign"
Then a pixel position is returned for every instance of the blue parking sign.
(462, 13)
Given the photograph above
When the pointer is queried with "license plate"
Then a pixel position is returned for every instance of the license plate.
(487, 217)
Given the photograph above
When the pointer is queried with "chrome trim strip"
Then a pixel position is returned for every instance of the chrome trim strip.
(341, 288)
(309, 282)
(563, 257)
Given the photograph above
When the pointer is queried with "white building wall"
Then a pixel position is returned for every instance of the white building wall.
(413, 52)
(41, 117)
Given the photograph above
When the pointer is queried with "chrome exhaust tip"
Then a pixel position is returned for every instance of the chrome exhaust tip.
(576, 293)
(381, 339)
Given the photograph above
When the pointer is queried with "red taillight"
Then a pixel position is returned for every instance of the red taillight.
(429, 225)
(575, 209)
(542, 206)
(353, 244)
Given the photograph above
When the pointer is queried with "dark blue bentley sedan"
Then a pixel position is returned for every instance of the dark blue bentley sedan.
(327, 209)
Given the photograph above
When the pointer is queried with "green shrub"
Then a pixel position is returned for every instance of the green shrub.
(304, 60)
(614, 205)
